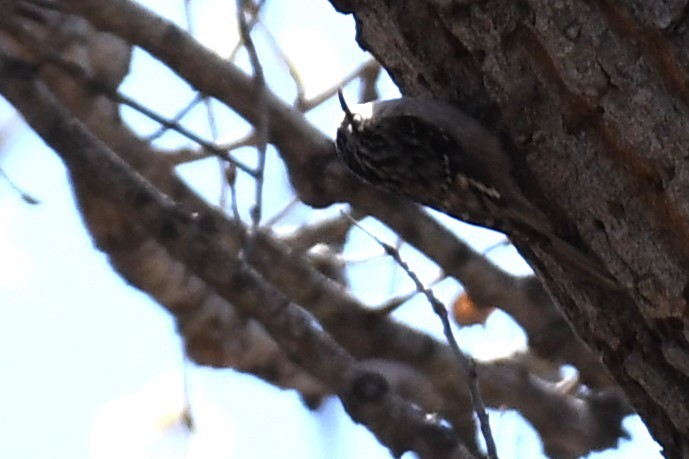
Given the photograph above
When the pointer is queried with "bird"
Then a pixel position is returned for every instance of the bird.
(430, 151)
(433, 153)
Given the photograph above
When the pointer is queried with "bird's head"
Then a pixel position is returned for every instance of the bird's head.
(384, 143)
(353, 135)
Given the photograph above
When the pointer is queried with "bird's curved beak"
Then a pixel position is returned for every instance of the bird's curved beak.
(349, 116)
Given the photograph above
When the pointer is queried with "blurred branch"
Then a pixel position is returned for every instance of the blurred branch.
(189, 237)
(187, 155)
(291, 67)
(370, 67)
(50, 56)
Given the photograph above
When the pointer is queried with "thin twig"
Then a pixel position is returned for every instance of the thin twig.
(501, 243)
(281, 213)
(213, 128)
(200, 96)
(306, 105)
(78, 72)
(222, 154)
(260, 87)
(370, 67)
(188, 155)
(187, 414)
(187, 17)
(394, 303)
(466, 363)
(26, 197)
(51, 56)
(176, 119)
(291, 66)
(229, 171)
(393, 272)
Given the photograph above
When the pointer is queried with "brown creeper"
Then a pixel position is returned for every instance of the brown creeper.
(435, 154)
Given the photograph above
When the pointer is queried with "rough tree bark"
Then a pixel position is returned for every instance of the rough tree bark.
(592, 99)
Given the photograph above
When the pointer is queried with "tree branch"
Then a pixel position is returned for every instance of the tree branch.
(192, 239)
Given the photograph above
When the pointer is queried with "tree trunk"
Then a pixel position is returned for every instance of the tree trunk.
(591, 100)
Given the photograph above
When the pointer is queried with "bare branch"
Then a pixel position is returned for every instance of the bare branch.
(466, 363)
(190, 237)
(259, 89)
